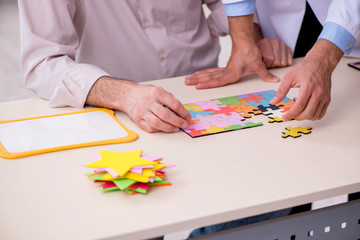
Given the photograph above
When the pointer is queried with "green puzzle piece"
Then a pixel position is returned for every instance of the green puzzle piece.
(248, 125)
(231, 100)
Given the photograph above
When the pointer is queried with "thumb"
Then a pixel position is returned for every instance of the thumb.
(266, 75)
(282, 91)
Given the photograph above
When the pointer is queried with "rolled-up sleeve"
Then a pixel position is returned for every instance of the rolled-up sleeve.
(217, 20)
(235, 8)
(48, 46)
(342, 26)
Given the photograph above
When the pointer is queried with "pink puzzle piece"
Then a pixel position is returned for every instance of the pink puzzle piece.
(228, 120)
(219, 115)
(255, 98)
(214, 104)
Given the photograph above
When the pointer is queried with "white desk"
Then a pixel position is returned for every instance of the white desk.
(218, 178)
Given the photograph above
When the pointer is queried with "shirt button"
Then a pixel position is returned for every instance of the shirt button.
(146, 24)
(164, 55)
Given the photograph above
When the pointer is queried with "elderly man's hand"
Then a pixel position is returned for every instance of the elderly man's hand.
(313, 77)
(239, 65)
(275, 53)
(150, 107)
(245, 59)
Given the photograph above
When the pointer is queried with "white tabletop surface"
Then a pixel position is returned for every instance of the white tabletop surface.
(219, 177)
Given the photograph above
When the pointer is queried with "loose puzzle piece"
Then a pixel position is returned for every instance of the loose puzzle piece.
(295, 132)
(275, 119)
(233, 113)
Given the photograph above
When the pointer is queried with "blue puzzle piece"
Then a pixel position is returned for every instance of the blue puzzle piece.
(194, 114)
(264, 103)
(286, 100)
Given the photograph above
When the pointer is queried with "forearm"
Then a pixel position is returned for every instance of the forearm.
(257, 33)
(241, 31)
(109, 92)
(325, 54)
(150, 107)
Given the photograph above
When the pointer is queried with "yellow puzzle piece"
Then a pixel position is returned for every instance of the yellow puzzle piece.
(295, 132)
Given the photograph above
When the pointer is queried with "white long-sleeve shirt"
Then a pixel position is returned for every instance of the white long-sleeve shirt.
(66, 45)
(282, 19)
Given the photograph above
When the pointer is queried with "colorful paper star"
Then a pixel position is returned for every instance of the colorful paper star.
(120, 162)
(132, 172)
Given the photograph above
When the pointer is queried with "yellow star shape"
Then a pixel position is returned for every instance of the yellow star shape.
(120, 162)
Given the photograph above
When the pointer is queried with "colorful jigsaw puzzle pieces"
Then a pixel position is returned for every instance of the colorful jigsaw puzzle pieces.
(295, 132)
(233, 113)
(132, 171)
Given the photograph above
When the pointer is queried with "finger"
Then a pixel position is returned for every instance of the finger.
(178, 116)
(190, 81)
(267, 52)
(289, 57)
(145, 126)
(208, 70)
(203, 77)
(211, 84)
(283, 90)
(311, 109)
(324, 109)
(299, 106)
(284, 55)
(319, 110)
(178, 108)
(224, 79)
(277, 53)
(265, 74)
(159, 124)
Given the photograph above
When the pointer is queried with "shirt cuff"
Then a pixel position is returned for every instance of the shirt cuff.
(339, 36)
(75, 86)
(242, 8)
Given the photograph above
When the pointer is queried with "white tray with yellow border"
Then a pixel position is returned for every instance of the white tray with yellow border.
(31, 136)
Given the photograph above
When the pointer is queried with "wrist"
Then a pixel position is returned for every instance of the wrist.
(241, 30)
(109, 92)
(326, 53)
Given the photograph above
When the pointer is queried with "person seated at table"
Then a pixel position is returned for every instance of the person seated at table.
(94, 52)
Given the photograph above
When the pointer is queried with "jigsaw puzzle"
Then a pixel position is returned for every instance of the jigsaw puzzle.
(295, 132)
(233, 113)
